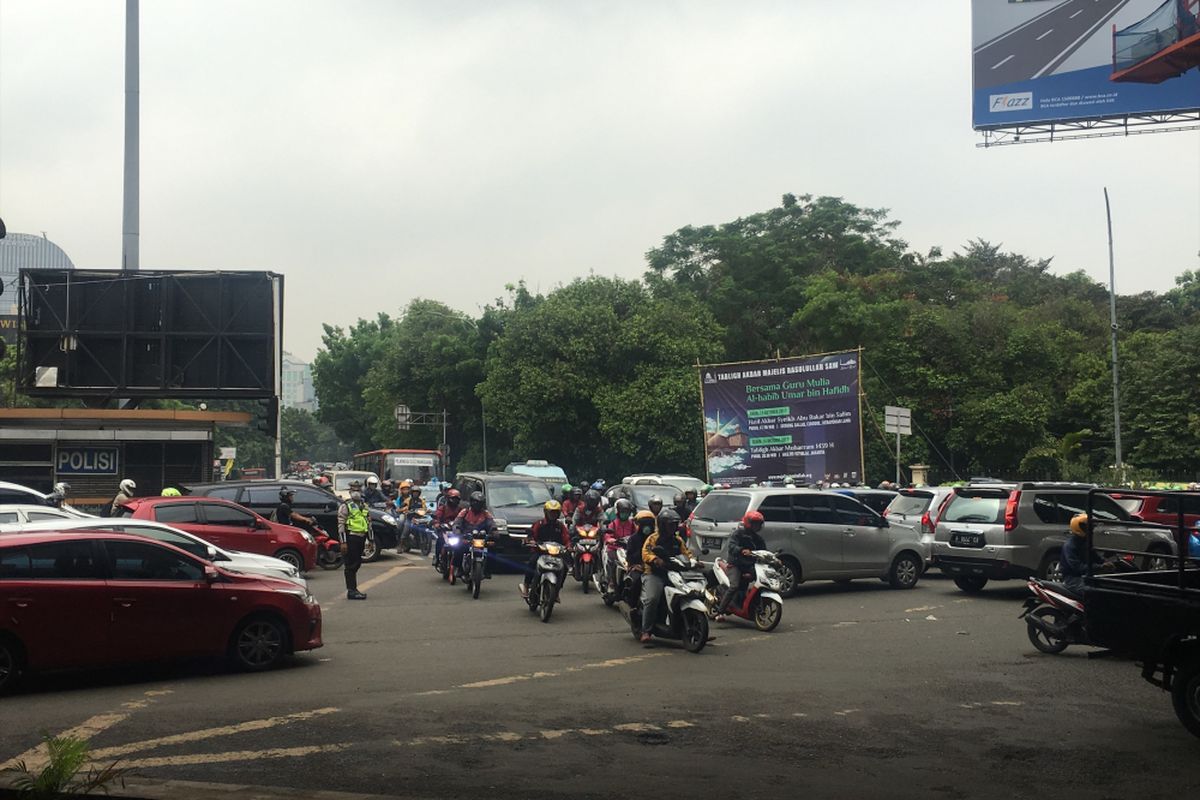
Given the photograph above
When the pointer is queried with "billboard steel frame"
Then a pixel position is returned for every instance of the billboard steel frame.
(1100, 127)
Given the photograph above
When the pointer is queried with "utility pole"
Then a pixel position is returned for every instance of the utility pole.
(129, 221)
(1112, 311)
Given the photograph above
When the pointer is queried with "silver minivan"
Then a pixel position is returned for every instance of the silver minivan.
(916, 509)
(819, 535)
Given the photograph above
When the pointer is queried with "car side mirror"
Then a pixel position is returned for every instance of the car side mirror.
(212, 553)
(261, 523)
(210, 574)
(704, 552)
(883, 523)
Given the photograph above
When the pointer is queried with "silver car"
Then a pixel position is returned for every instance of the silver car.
(819, 535)
(235, 560)
(916, 509)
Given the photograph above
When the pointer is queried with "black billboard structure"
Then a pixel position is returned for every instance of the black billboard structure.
(106, 334)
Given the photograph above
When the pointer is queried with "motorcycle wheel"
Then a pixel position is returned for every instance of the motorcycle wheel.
(635, 623)
(476, 580)
(1039, 638)
(1185, 695)
(547, 607)
(767, 614)
(370, 551)
(332, 561)
(695, 630)
(450, 571)
(426, 545)
(587, 578)
(610, 597)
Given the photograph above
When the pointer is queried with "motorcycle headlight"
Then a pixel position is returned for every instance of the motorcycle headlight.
(308, 537)
(452, 540)
(389, 519)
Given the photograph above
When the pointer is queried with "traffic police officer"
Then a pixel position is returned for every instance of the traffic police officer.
(354, 521)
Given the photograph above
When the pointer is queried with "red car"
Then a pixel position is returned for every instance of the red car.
(229, 525)
(1163, 509)
(75, 600)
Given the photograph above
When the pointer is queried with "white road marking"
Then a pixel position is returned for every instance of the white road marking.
(1044, 35)
(848, 712)
(932, 618)
(680, 723)
(1004, 61)
(1076, 14)
(738, 718)
(636, 727)
(511, 679)
(921, 608)
(544, 735)
(238, 755)
(210, 733)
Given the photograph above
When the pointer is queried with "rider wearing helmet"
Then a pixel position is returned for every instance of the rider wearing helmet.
(589, 513)
(573, 502)
(171, 491)
(57, 497)
(286, 514)
(402, 498)
(683, 511)
(476, 519)
(739, 549)
(644, 524)
(124, 495)
(616, 533)
(550, 528)
(372, 495)
(657, 552)
(1074, 556)
(705, 489)
(655, 504)
(415, 505)
(690, 499)
(446, 514)
(565, 492)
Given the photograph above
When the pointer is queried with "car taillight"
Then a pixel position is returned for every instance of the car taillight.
(885, 511)
(926, 523)
(1010, 510)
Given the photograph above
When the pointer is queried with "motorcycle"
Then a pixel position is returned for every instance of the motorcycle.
(761, 602)
(547, 580)
(451, 560)
(585, 554)
(329, 550)
(1054, 615)
(612, 563)
(683, 616)
(417, 534)
(474, 559)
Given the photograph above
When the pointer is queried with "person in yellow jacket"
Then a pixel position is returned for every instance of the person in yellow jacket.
(354, 523)
(667, 541)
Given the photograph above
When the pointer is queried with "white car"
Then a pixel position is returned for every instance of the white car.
(680, 482)
(35, 513)
(249, 563)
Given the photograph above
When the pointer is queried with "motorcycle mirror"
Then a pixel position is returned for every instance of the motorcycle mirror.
(704, 552)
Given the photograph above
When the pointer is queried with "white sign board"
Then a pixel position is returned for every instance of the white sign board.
(897, 419)
(228, 453)
(402, 417)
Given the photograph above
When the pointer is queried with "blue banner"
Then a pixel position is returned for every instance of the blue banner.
(86, 461)
(791, 419)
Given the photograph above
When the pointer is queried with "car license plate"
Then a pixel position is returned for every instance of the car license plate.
(965, 539)
(709, 541)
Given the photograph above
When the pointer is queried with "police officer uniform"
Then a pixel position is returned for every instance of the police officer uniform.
(354, 521)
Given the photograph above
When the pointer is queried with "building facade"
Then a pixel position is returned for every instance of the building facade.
(298, 389)
(23, 251)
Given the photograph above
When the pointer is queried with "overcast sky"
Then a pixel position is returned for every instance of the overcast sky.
(374, 151)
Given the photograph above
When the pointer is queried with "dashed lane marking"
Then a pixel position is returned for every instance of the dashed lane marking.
(511, 679)
(237, 755)
(210, 733)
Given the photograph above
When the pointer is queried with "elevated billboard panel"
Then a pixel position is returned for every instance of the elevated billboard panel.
(1041, 61)
(787, 419)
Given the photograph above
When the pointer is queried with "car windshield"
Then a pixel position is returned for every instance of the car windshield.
(518, 494)
(1130, 504)
(343, 480)
(988, 509)
(722, 507)
(909, 505)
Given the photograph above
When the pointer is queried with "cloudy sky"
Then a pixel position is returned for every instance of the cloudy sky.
(377, 150)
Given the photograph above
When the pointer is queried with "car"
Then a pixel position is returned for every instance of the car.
(875, 499)
(80, 600)
(516, 501)
(250, 563)
(16, 494)
(553, 475)
(680, 482)
(262, 497)
(641, 493)
(819, 535)
(229, 525)
(917, 509)
(1001, 531)
(1162, 509)
(340, 480)
(38, 513)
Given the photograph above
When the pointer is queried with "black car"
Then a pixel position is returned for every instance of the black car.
(875, 499)
(516, 501)
(640, 494)
(311, 501)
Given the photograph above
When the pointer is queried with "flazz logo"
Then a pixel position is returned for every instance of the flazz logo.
(1020, 101)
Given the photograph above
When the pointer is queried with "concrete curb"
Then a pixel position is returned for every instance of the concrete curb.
(136, 788)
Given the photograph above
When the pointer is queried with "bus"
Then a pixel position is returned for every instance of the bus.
(422, 467)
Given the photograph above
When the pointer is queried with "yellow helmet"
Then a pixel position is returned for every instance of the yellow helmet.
(406, 484)
(1079, 524)
(552, 505)
(171, 492)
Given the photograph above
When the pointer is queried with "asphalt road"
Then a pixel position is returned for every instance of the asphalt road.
(1039, 46)
(862, 691)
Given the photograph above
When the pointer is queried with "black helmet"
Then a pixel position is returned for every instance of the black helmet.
(654, 501)
(592, 498)
(286, 492)
(668, 522)
(624, 509)
(476, 500)
(576, 493)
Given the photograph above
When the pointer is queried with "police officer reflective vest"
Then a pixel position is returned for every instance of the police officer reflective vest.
(358, 518)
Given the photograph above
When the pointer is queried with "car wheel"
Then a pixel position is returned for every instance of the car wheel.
(905, 571)
(10, 663)
(1161, 560)
(259, 643)
(370, 550)
(970, 583)
(1051, 569)
(292, 557)
(789, 576)
(1185, 695)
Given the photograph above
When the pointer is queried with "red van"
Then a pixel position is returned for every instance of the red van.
(229, 525)
(75, 600)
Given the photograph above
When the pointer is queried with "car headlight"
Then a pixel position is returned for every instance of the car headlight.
(501, 524)
(303, 594)
(308, 537)
(389, 519)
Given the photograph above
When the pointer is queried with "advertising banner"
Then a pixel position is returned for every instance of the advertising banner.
(788, 419)
(1038, 61)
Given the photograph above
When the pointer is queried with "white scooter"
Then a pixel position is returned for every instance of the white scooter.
(761, 603)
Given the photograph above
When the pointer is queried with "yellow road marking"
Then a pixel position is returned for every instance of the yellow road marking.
(510, 679)
(210, 733)
(548, 735)
(365, 585)
(236, 755)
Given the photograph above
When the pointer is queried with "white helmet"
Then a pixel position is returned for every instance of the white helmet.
(128, 486)
(372, 481)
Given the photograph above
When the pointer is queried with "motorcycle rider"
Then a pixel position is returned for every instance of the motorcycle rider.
(660, 547)
(689, 497)
(1074, 556)
(446, 514)
(655, 504)
(59, 495)
(402, 498)
(124, 495)
(548, 529)
(476, 518)
(573, 502)
(415, 505)
(680, 507)
(285, 514)
(744, 540)
(621, 527)
(644, 524)
(589, 513)
(354, 521)
(373, 496)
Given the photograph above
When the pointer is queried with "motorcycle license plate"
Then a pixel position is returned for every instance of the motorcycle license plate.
(709, 541)
(966, 539)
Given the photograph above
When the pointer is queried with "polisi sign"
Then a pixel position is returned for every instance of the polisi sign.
(1018, 101)
(86, 461)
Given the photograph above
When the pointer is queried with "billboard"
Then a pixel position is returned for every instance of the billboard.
(784, 419)
(1039, 61)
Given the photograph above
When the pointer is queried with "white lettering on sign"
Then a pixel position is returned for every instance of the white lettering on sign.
(86, 461)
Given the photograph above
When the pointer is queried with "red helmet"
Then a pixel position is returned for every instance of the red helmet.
(752, 521)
